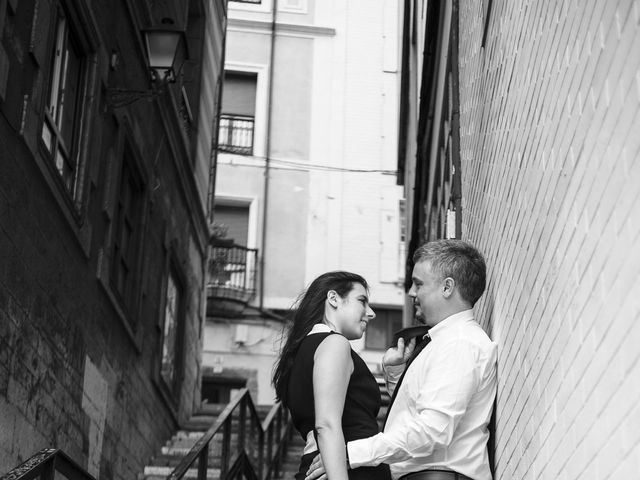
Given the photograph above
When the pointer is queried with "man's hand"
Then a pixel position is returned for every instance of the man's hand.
(399, 354)
(316, 470)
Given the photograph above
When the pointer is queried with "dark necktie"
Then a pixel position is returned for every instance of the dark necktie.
(420, 344)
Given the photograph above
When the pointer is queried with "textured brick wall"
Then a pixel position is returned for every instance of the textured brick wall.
(550, 124)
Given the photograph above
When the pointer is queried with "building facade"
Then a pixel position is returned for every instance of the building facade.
(306, 175)
(518, 133)
(104, 186)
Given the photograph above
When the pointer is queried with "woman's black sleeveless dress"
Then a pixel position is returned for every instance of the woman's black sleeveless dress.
(361, 405)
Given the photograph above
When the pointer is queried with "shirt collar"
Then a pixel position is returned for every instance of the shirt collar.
(320, 328)
(450, 322)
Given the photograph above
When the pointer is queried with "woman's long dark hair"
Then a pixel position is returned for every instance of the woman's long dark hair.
(309, 310)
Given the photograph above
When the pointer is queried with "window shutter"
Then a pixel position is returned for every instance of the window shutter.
(239, 94)
(236, 220)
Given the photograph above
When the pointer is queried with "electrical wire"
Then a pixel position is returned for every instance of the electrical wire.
(304, 166)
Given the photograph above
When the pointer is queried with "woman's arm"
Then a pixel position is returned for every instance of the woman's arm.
(331, 373)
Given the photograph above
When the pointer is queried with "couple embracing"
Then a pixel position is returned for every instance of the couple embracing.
(442, 383)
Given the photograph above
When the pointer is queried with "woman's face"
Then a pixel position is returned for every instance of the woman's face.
(353, 313)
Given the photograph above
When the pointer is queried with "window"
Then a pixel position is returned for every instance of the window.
(171, 353)
(402, 215)
(380, 332)
(62, 110)
(234, 222)
(220, 389)
(237, 117)
(293, 6)
(127, 226)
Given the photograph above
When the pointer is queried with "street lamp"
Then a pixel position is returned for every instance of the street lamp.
(161, 48)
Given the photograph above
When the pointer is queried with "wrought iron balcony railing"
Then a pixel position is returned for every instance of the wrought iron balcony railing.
(236, 134)
(232, 272)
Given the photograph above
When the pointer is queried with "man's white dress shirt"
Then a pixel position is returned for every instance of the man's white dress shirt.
(440, 415)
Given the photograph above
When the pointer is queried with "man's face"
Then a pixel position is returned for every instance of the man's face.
(426, 292)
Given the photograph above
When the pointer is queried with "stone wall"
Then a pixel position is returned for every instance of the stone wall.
(79, 366)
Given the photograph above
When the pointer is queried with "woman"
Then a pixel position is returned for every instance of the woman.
(331, 394)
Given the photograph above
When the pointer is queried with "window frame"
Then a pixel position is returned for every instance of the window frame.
(264, 6)
(122, 217)
(171, 393)
(130, 315)
(39, 51)
(261, 115)
(80, 35)
(65, 46)
(228, 120)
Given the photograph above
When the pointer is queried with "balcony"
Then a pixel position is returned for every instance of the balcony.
(232, 278)
(236, 134)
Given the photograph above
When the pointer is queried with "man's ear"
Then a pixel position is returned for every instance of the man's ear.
(448, 287)
(332, 298)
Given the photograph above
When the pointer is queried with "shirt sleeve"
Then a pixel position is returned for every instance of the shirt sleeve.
(440, 392)
(392, 374)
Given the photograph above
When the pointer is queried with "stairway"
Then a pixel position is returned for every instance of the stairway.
(386, 399)
(192, 430)
(291, 461)
(181, 443)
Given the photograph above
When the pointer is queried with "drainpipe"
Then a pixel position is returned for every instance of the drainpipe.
(213, 154)
(267, 162)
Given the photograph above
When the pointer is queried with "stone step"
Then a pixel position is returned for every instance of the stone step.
(174, 460)
(182, 444)
(193, 429)
(161, 473)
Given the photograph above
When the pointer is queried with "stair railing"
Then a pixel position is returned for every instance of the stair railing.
(44, 465)
(259, 446)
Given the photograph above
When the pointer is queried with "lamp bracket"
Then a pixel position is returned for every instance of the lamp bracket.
(121, 97)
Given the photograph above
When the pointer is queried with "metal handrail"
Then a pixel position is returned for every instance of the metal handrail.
(277, 422)
(43, 466)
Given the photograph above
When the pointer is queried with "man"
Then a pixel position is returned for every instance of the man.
(436, 427)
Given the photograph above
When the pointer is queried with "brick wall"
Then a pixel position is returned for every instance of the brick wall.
(550, 124)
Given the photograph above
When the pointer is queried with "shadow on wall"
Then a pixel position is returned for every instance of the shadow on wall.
(487, 324)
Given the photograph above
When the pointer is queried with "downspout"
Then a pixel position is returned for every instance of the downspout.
(455, 128)
(213, 157)
(213, 166)
(267, 162)
(404, 94)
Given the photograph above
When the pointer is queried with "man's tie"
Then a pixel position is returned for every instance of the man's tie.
(421, 342)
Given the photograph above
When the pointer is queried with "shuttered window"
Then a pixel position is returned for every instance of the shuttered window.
(235, 220)
(237, 118)
(239, 94)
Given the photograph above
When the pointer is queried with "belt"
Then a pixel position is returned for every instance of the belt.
(434, 475)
